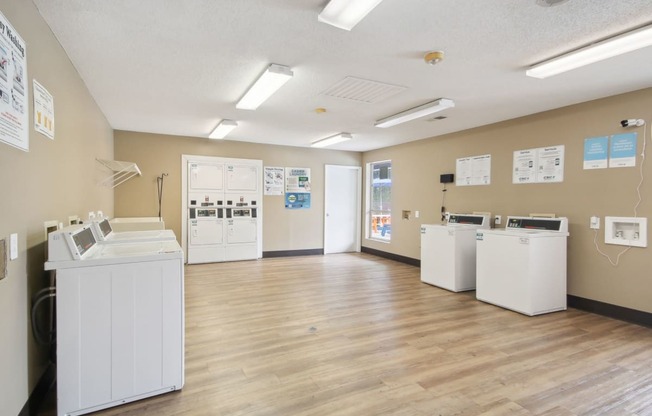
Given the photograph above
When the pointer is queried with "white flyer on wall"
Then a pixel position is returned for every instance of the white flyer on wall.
(541, 165)
(463, 171)
(481, 170)
(550, 164)
(474, 170)
(14, 91)
(43, 111)
(524, 166)
(274, 180)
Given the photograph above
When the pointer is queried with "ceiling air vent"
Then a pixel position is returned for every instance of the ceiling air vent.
(437, 118)
(362, 90)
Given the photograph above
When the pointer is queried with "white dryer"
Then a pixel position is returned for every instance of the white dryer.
(523, 267)
(120, 320)
(448, 251)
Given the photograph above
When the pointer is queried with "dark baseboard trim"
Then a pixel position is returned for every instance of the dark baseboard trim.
(391, 256)
(39, 393)
(292, 253)
(611, 311)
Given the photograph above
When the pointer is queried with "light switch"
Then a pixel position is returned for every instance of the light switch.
(13, 247)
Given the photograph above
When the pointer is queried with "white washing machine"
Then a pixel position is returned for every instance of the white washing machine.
(103, 232)
(120, 320)
(523, 267)
(448, 251)
(137, 224)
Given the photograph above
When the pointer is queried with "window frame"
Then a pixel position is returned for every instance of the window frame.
(383, 216)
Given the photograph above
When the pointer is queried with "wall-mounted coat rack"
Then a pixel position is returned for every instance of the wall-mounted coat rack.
(122, 172)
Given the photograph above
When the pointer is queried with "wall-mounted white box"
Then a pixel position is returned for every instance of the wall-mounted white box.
(626, 231)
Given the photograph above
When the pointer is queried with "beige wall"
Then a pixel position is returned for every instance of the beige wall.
(283, 229)
(53, 180)
(416, 168)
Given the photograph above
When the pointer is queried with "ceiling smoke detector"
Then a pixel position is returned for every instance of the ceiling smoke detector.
(433, 58)
(548, 3)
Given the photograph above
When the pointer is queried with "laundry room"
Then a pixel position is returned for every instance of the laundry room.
(408, 224)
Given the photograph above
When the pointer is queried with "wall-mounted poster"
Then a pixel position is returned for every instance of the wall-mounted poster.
(622, 152)
(595, 152)
(474, 170)
(542, 165)
(524, 166)
(550, 164)
(43, 111)
(274, 180)
(14, 91)
(297, 188)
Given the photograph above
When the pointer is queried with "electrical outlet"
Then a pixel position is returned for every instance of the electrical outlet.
(595, 223)
(416, 214)
(498, 219)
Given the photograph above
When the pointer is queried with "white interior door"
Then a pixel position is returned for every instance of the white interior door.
(342, 201)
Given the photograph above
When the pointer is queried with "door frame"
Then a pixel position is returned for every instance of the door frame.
(358, 217)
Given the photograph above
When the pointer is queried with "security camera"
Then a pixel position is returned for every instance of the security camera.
(632, 122)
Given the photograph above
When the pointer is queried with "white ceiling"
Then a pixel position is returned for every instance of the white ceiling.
(179, 66)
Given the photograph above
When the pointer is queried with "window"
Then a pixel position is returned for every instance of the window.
(379, 200)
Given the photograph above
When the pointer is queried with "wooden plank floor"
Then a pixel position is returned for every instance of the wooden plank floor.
(354, 334)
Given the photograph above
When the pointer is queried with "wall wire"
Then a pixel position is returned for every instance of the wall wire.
(638, 202)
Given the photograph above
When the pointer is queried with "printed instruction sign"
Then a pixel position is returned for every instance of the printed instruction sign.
(297, 188)
(274, 180)
(550, 164)
(474, 170)
(43, 111)
(596, 152)
(14, 91)
(524, 166)
(541, 165)
(622, 152)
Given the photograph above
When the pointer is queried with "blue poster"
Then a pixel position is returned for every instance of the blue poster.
(622, 152)
(295, 200)
(595, 152)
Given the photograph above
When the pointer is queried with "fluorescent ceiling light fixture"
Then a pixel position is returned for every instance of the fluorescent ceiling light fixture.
(608, 48)
(416, 112)
(223, 129)
(271, 80)
(338, 138)
(345, 14)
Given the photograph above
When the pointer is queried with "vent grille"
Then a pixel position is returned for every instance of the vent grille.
(362, 90)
